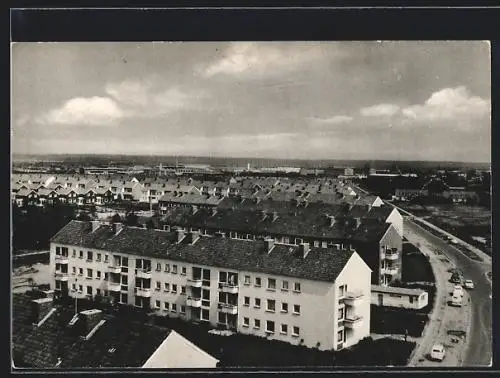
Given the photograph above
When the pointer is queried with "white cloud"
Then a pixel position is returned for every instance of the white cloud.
(130, 92)
(84, 111)
(380, 110)
(335, 120)
(449, 104)
(263, 58)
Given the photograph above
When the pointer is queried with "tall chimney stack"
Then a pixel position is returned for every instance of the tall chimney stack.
(117, 227)
(40, 308)
(95, 225)
(179, 235)
(269, 244)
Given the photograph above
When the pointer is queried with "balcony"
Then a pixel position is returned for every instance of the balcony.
(353, 299)
(195, 282)
(228, 308)
(143, 273)
(114, 286)
(391, 256)
(143, 292)
(62, 259)
(60, 276)
(193, 302)
(391, 270)
(114, 269)
(353, 321)
(228, 288)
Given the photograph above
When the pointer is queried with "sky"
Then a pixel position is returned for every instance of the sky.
(298, 100)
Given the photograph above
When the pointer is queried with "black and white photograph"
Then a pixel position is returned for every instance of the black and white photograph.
(217, 205)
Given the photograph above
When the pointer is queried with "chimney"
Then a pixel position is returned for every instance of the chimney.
(332, 220)
(194, 208)
(304, 249)
(40, 308)
(263, 214)
(192, 237)
(368, 207)
(117, 227)
(275, 215)
(358, 222)
(269, 244)
(214, 211)
(91, 321)
(95, 225)
(179, 235)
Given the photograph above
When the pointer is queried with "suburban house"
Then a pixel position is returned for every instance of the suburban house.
(46, 335)
(256, 287)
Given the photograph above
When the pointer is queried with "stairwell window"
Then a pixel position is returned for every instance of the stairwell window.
(271, 305)
(269, 326)
(296, 331)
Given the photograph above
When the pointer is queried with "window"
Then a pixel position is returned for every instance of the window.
(341, 313)
(81, 255)
(98, 274)
(98, 291)
(296, 331)
(167, 268)
(340, 336)
(105, 293)
(158, 267)
(342, 290)
(271, 284)
(222, 277)
(271, 305)
(58, 285)
(166, 306)
(174, 288)
(74, 253)
(158, 285)
(411, 299)
(124, 298)
(166, 286)
(89, 256)
(183, 270)
(89, 290)
(284, 285)
(205, 315)
(247, 301)
(296, 287)
(106, 258)
(89, 273)
(284, 329)
(296, 309)
(256, 323)
(284, 307)
(174, 269)
(98, 257)
(258, 281)
(183, 309)
(80, 288)
(257, 303)
(246, 322)
(174, 307)
(183, 290)
(73, 286)
(105, 276)
(316, 243)
(74, 270)
(270, 326)
(157, 304)
(247, 280)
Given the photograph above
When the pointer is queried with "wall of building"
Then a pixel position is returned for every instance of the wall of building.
(396, 219)
(392, 239)
(356, 276)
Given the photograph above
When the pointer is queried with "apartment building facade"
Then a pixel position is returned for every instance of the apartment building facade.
(294, 294)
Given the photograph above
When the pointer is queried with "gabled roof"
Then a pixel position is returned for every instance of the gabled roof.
(322, 264)
(134, 342)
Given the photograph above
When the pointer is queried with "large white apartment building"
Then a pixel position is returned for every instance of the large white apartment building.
(317, 297)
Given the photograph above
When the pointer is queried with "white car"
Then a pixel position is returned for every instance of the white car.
(469, 284)
(437, 352)
(457, 289)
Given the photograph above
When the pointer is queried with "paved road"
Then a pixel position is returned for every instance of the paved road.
(479, 351)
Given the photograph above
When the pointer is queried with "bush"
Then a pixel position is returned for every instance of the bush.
(386, 320)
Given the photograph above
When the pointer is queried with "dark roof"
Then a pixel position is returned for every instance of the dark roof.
(40, 347)
(323, 264)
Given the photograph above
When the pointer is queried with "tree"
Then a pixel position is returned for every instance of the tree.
(150, 225)
(116, 218)
(131, 219)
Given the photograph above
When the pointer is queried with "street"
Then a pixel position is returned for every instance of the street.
(479, 339)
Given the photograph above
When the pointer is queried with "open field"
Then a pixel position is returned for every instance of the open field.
(470, 223)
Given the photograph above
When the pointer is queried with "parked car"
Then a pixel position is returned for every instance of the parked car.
(457, 289)
(456, 299)
(469, 284)
(438, 352)
(456, 278)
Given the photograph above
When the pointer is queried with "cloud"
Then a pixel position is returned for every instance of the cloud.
(249, 58)
(380, 110)
(130, 92)
(84, 111)
(335, 120)
(449, 104)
